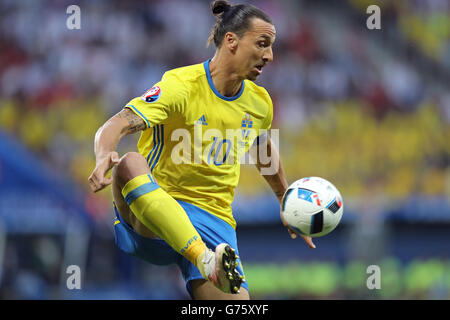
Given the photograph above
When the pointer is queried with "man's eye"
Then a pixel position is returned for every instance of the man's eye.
(262, 44)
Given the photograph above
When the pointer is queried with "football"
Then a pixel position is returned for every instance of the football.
(312, 206)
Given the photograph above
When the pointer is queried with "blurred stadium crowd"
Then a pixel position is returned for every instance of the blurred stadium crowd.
(367, 109)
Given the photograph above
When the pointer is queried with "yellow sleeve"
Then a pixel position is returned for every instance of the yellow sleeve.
(158, 103)
(267, 124)
(268, 121)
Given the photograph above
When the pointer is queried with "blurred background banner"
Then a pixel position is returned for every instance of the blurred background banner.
(368, 110)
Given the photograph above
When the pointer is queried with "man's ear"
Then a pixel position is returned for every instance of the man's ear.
(231, 41)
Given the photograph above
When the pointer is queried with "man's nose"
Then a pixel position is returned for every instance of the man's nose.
(268, 55)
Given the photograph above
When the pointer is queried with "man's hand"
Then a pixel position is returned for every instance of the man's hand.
(293, 235)
(97, 179)
(277, 182)
(106, 139)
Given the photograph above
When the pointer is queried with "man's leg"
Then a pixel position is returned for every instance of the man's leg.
(153, 208)
(163, 216)
(204, 290)
(125, 211)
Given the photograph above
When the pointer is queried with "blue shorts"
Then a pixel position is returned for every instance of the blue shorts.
(212, 229)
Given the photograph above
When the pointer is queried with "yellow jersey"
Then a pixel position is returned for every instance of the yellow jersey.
(195, 137)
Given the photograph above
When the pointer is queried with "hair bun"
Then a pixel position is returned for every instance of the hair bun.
(220, 6)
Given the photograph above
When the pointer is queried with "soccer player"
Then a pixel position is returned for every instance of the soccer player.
(173, 208)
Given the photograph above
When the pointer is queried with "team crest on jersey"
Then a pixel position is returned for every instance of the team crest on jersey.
(247, 124)
(152, 94)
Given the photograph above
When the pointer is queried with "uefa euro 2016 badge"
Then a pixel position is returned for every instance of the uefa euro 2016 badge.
(152, 94)
(247, 124)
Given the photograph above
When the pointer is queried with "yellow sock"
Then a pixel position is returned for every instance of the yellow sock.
(164, 216)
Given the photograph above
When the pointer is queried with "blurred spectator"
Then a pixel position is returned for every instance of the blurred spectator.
(60, 85)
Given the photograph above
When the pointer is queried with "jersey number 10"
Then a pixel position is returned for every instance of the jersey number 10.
(217, 149)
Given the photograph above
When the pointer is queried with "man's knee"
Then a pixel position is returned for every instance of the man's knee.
(131, 165)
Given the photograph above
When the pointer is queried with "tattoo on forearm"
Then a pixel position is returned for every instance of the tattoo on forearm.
(135, 122)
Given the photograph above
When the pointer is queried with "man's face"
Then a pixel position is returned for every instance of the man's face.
(254, 49)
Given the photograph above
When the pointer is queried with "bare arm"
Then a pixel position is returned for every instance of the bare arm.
(273, 173)
(106, 140)
(108, 136)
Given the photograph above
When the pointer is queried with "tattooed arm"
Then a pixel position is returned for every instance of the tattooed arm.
(106, 140)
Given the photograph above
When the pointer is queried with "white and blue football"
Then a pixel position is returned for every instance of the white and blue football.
(312, 206)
